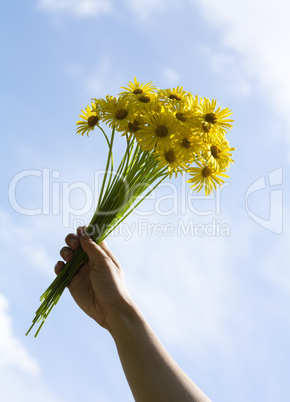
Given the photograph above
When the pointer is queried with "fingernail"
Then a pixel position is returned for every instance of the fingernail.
(66, 253)
(73, 242)
(86, 237)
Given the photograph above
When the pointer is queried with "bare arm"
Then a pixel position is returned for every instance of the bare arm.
(151, 372)
(100, 291)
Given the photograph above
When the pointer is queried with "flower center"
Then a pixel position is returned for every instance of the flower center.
(206, 171)
(170, 156)
(134, 126)
(93, 120)
(161, 131)
(137, 91)
(174, 96)
(181, 116)
(215, 151)
(144, 98)
(210, 118)
(185, 143)
(121, 114)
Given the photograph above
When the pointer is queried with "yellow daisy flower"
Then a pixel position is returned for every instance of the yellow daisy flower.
(90, 118)
(159, 130)
(192, 101)
(210, 117)
(134, 125)
(146, 101)
(175, 94)
(117, 111)
(135, 88)
(155, 105)
(169, 158)
(207, 131)
(205, 176)
(188, 145)
(218, 155)
(184, 112)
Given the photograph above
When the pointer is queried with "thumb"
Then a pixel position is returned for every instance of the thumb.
(93, 251)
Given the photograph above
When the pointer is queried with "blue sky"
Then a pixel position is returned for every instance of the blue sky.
(218, 302)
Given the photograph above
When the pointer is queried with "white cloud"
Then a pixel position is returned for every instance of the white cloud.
(144, 10)
(16, 387)
(259, 32)
(12, 351)
(77, 8)
(20, 373)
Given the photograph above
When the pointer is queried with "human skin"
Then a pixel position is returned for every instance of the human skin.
(100, 291)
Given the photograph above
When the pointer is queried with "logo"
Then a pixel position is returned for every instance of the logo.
(274, 200)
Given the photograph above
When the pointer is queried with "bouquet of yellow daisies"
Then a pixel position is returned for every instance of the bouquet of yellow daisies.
(166, 132)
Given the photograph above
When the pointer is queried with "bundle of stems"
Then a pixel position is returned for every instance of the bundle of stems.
(120, 190)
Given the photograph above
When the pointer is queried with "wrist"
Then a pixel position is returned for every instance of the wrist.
(121, 315)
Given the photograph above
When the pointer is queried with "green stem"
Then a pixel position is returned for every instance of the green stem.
(137, 171)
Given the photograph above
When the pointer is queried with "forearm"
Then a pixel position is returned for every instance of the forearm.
(151, 372)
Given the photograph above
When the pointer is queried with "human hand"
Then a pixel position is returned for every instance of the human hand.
(98, 287)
